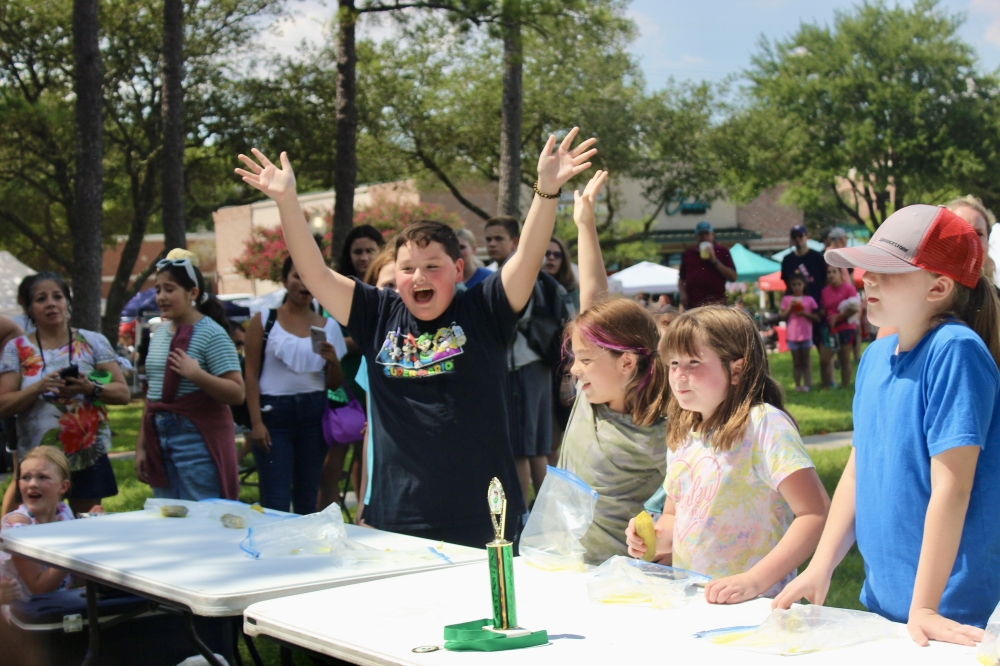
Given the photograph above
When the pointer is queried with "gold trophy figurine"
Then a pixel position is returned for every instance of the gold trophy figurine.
(501, 558)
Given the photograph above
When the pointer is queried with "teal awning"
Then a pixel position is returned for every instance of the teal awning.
(750, 266)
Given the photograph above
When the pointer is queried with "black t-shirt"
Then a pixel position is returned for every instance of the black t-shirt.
(438, 397)
(811, 265)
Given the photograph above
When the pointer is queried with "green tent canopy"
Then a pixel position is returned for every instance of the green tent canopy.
(750, 266)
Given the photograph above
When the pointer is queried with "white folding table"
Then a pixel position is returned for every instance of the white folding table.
(195, 564)
(395, 616)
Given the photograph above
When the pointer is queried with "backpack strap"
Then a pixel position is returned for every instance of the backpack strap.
(269, 318)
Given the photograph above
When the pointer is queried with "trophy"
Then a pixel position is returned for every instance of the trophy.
(501, 557)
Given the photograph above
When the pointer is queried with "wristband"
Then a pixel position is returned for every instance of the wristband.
(543, 194)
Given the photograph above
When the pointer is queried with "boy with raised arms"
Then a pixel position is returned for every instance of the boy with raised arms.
(436, 358)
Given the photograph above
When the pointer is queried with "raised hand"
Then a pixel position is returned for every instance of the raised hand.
(555, 169)
(583, 204)
(279, 184)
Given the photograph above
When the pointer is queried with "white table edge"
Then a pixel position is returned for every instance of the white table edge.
(197, 604)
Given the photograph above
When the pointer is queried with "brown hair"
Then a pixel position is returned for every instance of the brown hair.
(381, 260)
(732, 335)
(425, 232)
(980, 309)
(622, 326)
(509, 223)
(564, 275)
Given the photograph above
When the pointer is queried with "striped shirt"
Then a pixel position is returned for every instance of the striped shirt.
(210, 346)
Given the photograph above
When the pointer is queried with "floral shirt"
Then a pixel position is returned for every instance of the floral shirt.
(729, 513)
(76, 425)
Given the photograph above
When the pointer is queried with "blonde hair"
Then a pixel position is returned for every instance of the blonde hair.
(381, 260)
(49, 454)
(732, 335)
(621, 326)
(976, 204)
(470, 238)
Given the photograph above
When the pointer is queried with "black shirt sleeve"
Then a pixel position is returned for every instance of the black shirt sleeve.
(494, 299)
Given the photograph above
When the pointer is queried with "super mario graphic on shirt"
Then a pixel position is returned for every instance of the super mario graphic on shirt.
(404, 355)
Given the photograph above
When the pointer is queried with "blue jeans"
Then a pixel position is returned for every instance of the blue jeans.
(191, 472)
(289, 473)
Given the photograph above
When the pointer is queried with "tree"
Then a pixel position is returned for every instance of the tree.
(88, 227)
(38, 169)
(883, 109)
(436, 100)
(174, 231)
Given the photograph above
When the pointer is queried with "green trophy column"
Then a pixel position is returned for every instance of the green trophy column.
(501, 557)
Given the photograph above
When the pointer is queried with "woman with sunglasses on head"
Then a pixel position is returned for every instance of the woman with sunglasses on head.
(57, 380)
(186, 446)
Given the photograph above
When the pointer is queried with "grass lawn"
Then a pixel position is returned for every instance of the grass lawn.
(125, 422)
(818, 412)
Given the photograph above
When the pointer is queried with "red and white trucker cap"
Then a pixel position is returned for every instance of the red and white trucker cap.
(918, 237)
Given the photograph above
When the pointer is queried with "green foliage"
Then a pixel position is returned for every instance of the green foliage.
(817, 412)
(882, 109)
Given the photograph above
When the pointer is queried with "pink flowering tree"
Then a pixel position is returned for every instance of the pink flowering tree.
(265, 250)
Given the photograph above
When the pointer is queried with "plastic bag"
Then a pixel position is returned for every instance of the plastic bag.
(989, 647)
(805, 629)
(623, 580)
(563, 512)
(316, 534)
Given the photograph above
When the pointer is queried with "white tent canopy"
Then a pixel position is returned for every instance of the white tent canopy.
(12, 272)
(646, 277)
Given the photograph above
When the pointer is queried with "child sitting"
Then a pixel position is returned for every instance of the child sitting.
(744, 504)
(437, 363)
(799, 310)
(614, 439)
(43, 480)
(920, 488)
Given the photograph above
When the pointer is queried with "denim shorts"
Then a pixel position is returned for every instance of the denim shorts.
(796, 345)
(191, 472)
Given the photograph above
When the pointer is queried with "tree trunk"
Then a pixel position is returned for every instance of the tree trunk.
(172, 109)
(87, 218)
(345, 173)
(509, 197)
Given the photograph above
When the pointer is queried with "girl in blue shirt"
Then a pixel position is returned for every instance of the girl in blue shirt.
(920, 489)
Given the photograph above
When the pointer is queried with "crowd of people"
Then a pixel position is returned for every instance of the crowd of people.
(442, 374)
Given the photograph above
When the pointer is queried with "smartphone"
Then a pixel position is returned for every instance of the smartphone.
(72, 371)
(318, 336)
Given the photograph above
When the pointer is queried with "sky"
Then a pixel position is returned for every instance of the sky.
(704, 40)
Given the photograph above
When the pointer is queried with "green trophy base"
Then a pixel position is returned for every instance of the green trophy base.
(479, 636)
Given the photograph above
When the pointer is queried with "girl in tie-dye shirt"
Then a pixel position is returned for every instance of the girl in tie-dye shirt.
(744, 504)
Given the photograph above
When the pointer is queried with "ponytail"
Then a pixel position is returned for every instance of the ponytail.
(980, 309)
(212, 308)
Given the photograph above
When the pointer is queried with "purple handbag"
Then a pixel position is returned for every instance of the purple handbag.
(343, 421)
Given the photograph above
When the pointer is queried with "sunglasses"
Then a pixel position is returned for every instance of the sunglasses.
(553, 255)
(186, 263)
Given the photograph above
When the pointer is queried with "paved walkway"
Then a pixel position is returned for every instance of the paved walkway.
(833, 440)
